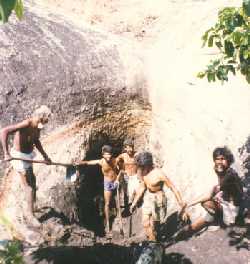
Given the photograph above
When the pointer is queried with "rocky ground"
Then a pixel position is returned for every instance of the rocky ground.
(221, 246)
(143, 22)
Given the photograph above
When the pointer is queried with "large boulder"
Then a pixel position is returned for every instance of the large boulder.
(77, 72)
(95, 87)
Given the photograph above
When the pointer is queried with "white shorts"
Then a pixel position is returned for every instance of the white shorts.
(229, 211)
(19, 165)
(133, 185)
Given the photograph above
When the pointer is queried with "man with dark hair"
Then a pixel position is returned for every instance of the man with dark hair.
(26, 137)
(225, 197)
(126, 162)
(224, 151)
(154, 208)
(109, 169)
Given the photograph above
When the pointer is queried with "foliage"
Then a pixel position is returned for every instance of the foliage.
(11, 254)
(231, 36)
(6, 8)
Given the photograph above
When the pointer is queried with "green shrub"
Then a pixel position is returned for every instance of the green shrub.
(231, 36)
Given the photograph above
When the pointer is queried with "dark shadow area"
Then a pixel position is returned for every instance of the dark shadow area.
(169, 231)
(244, 152)
(176, 258)
(240, 237)
(100, 254)
(90, 199)
(90, 189)
(172, 225)
(50, 213)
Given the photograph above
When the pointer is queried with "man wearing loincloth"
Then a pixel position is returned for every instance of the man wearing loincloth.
(154, 207)
(110, 170)
(126, 162)
(26, 137)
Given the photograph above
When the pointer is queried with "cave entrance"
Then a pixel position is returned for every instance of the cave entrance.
(90, 194)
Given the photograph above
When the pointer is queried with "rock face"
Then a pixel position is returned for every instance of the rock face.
(93, 84)
(77, 73)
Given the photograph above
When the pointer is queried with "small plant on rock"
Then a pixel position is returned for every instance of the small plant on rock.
(11, 254)
(6, 8)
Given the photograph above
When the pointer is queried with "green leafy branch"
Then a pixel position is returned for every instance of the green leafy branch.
(11, 254)
(231, 36)
(6, 8)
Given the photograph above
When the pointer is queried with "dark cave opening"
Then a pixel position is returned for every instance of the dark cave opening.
(90, 192)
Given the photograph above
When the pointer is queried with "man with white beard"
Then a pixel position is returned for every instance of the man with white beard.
(26, 137)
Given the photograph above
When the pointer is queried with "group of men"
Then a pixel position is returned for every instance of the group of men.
(141, 179)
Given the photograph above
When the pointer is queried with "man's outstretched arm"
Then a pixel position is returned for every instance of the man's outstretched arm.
(201, 199)
(176, 193)
(5, 132)
(88, 162)
(183, 214)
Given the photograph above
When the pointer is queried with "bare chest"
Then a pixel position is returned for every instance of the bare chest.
(27, 136)
(152, 181)
(129, 160)
(108, 168)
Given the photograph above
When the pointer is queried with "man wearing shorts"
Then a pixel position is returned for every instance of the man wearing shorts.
(109, 169)
(154, 208)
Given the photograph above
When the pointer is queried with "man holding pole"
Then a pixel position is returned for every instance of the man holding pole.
(26, 137)
(126, 162)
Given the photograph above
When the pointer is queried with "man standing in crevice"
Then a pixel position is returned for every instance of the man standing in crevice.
(109, 168)
(128, 169)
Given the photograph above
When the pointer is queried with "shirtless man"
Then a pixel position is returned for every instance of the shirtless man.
(154, 208)
(126, 162)
(109, 169)
(224, 198)
(26, 137)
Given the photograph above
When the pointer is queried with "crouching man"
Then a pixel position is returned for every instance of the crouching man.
(224, 199)
(154, 208)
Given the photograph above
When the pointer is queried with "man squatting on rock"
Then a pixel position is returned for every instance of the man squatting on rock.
(128, 169)
(110, 171)
(26, 137)
(154, 207)
(224, 198)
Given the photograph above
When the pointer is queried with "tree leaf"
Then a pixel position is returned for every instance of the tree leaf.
(211, 76)
(229, 48)
(201, 75)
(236, 37)
(246, 7)
(231, 68)
(6, 7)
(210, 41)
(248, 77)
(19, 8)
(218, 44)
(245, 54)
